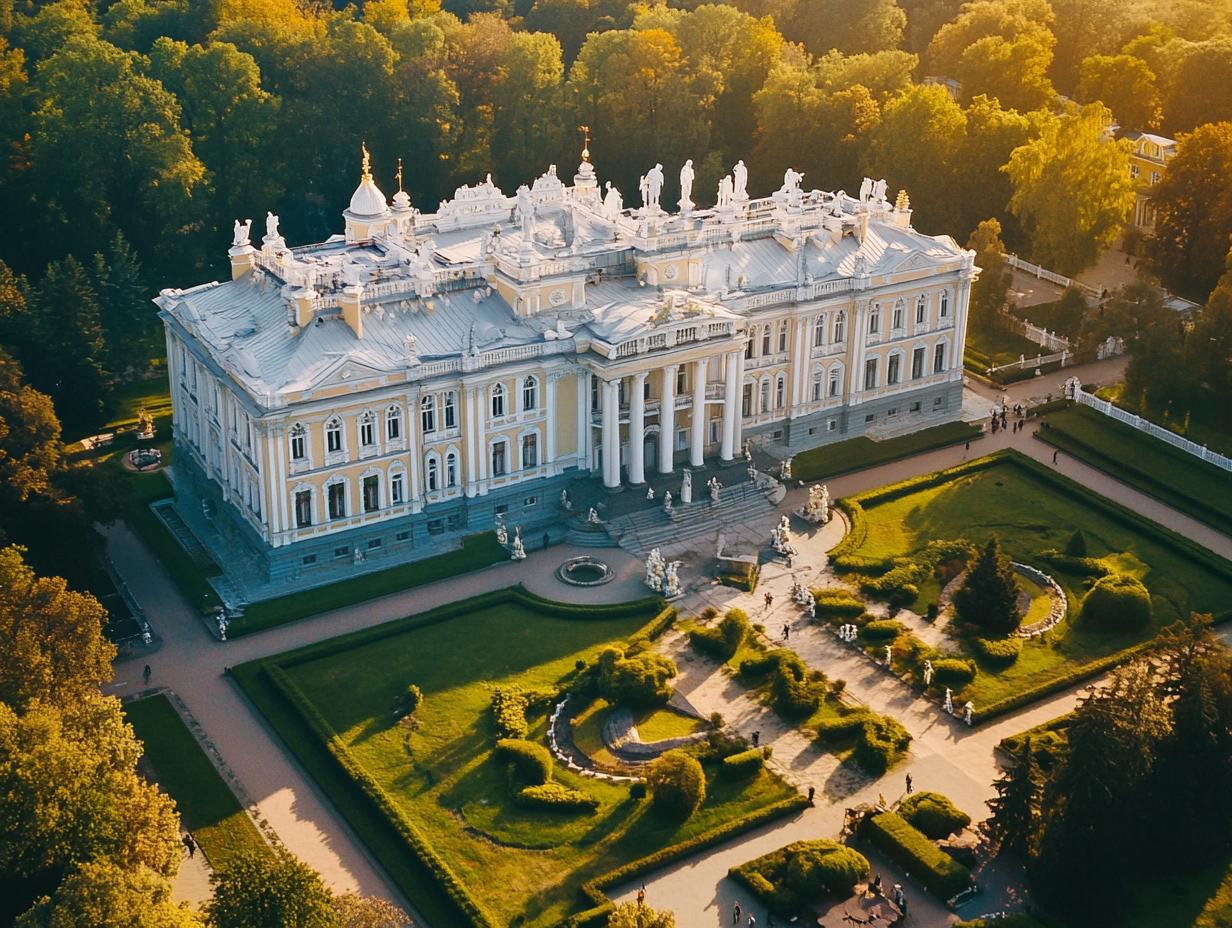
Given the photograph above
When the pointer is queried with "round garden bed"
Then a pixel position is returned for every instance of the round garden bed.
(585, 571)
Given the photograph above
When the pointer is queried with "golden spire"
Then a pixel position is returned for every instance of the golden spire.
(367, 163)
(399, 175)
(585, 130)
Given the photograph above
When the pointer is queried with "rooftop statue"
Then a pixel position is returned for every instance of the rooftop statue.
(740, 178)
(686, 185)
(866, 189)
(271, 226)
(242, 230)
(613, 203)
(725, 192)
(651, 186)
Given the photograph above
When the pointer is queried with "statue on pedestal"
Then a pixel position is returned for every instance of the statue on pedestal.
(518, 553)
(968, 712)
(928, 673)
(671, 581)
(565, 502)
(785, 472)
(948, 705)
(592, 517)
(725, 193)
(715, 488)
(889, 654)
(686, 487)
(655, 569)
(686, 186)
(817, 510)
(740, 182)
(271, 226)
(242, 232)
(651, 186)
(222, 626)
(667, 501)
(613, 203)
(650, 492)
(502, 536)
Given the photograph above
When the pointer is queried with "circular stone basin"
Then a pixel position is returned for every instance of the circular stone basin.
(584, 571)
(145, 458)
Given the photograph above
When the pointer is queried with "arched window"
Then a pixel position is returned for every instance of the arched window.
(367, 429)
(840, 326)
(748, 346)
(500, 458)
(780, 392)
(817, 385)
(836, 377)
(498, 401)
(530, 451)
(765, 339)
(432, 473)
(897, 321)
(393, 423)
(397, 486)
(765, 396)
(530, 393)
(945, 304)
(921, 309)
(782, 336)
(819, 332)
(874, 319)
(451, 470)
(427, 414)
(451, 409)
(299, 442)
(333, 435)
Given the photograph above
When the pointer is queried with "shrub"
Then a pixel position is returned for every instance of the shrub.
(998, 651)
(640, 681)
(531, 763)
(677, 785)
(989, 596)
(720, 744)
(838, 729)
(953, 671)
(761, 664)
(638, 790)
(722, 642)
(837, 600)
(824, 868)
(1083, 566)
(881, 629)
(411, 700)
(1077, 544)
(933, 815)
(743, 765)
(903, 844)
(881, 743)
(510, 705)
(555, 796)
(1117, 602)
(1015, 920)
(796, 691)
(933, 611)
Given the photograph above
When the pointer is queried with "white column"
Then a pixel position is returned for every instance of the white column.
(611, 433)
(799, 366)
(667, 419)
(731, 406)
(549, 451)
(637, 429)
(858, 340)
(697, 446)
(472, 442)
(483, 465)
(414, 452)
(961, 310)
(738, 434)
(585, 457)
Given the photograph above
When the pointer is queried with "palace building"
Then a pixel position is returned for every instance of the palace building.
(373, 398)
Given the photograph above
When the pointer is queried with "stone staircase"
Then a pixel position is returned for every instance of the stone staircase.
(639, 532)
(587, 534)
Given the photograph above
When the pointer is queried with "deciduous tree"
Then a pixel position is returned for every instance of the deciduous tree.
(270, 891)
(851, 26)
(636, 915)
(103, 895)
(989, 292)
(1124, 84)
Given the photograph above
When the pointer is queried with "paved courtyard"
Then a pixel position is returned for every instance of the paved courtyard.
(946, 755)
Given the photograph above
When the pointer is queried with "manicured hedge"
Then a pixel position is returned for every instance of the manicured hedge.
(1116, 602)
(509, 707)
(796, 690)
(953, 670)
(725, 639)
(531, 762)
(837, 601)
(677, 785)
(941, 875)
(764, 663)
(793, 877)
(743, 765)
(881, 629)
(882, 742)
(933, 815)
(999, 652)
(555, 796)
(831, 731)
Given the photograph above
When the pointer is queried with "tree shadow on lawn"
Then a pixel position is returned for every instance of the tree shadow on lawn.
(847, 779)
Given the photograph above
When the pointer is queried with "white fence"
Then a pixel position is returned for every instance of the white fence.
(1042, 273)
(1075, 391)
(1034, 333)
(1038, 361)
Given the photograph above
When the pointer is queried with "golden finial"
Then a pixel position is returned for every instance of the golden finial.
(903, 202)
(367, 163)
(399, 175)
(585, 130)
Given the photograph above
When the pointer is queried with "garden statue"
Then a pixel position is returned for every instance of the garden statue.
(715, 488)
(948, 706)
(357, 556)
(817, 510)
(147, 633)
(752, 472)
(242, 231)
(222, 626)
(650, 186)
(524, 210)
(654, 570)
(565, 501)
(791, 183)
(866, 189)
(592, 517)
(968, 712)
(879, 191)
(145, 426)
(686, 487)
(686, 186)
(748, 452)
(519, 552)
(786, 470)
(740, 182)
(671, 581)
(812, 608)
(502, 536)
(271, 226)
(667, 501)
(889, 656)
(725, 193)
(928, 673)
(650, 492)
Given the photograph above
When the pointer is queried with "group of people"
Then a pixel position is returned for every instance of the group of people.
(1001, 420)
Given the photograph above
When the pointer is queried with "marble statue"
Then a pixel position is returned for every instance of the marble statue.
(222, 626)
(655, 570)
(686, 486)
(565, 502)
(817, 510)
(968, 712)
(866, 189)
(667, 501)
(242, 230)
(525, 211)
(879, 191)
(791, 182)
(889, 652)
(651, 186)
(650, 492)
(752, 471)
(812, 608)
(671, 580)
(686, 186)
(357, 556)
(271, 226)
(740, 182)
(928, 673)
(410, 346)
(715, 489)
(592, 517)
(613, 203)
(502, 535)
(519, 552)
(785, 471)
(948, 705)
(725, 192)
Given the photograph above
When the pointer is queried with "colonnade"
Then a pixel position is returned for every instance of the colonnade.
(609, 409)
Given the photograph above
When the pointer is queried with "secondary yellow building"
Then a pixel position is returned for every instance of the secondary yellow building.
(1147, 162)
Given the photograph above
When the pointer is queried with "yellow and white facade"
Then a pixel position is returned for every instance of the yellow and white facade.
(1147, 162)
(370, 398)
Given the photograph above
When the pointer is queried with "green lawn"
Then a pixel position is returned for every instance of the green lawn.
(154, 396)
(1179, 479)
(993, 347)
(476, 551)
(857, 453)
(1033, 509)
(206, 804)
(524, 867)
(1206, 423)
(1196, 898)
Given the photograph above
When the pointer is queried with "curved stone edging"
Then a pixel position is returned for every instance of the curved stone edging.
(630, 747)
(554, 744)
(563, 572)
(1060, 602)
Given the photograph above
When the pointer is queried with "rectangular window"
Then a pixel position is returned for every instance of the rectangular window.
(303, 508)
(530, 502)
(501, 509)
(396, 489)
(337, 500)
(393, 427)
(402, 536)
(833, 383)
(340, 553)
(874, 322)
(498, 459)
(831, 425)
(917, 363)
(937, 403)
(921, 310)
(945, 305)
(298, 446)
(333, 439)
(435, 527)
(308, 559)
(892, 411)
(915, 407)
(892, 365)
(681, 381)
(898, 317)
(374, 543)
(939, 358)
(870, 417)
(870, 374)
(372, 493)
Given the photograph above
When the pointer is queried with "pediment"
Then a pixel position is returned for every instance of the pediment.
(342, 371)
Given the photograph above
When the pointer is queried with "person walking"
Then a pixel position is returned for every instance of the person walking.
(736, 914)
(756, 737)
(908, 784)
(1055, 452)
(189, 844)
(811, 793)
(769, 600)
(145, 674)
(786, 631)
(752, 921)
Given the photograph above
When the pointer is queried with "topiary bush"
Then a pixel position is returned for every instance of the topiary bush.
(837, 600)
(881, 629)
(882, 742)
(1116, 602)
(906, 846)
(641, 681)
(1000, 652)
(763, 663)
(1077, 544)
(831, 731)
(531, 763)
(796, 691)
(412, 698)
(723, 641)
(677, 785)
(555, 796)
(816, 869)
(953, 671)
(933, 814)
(744, 765)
